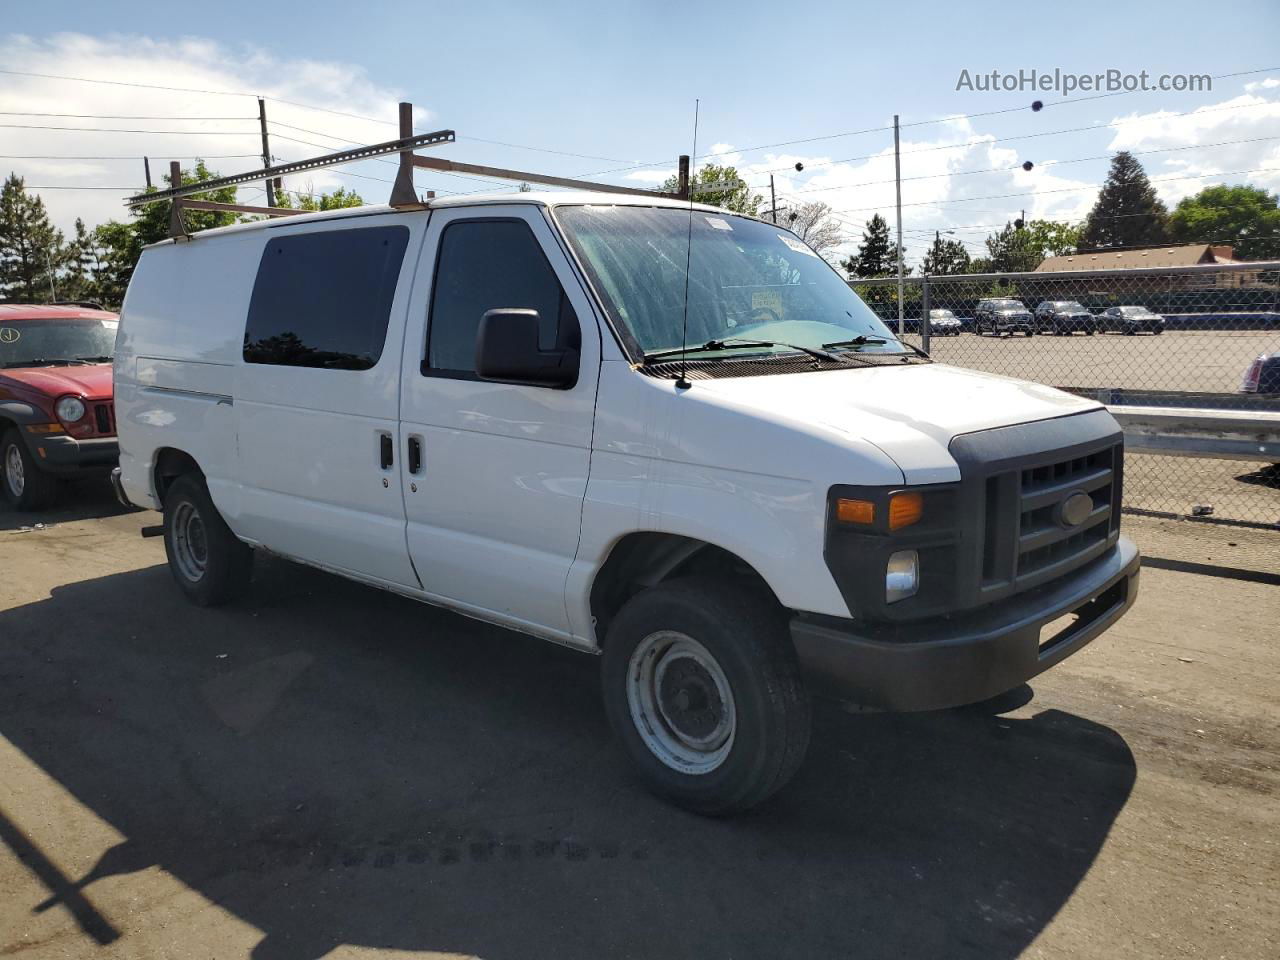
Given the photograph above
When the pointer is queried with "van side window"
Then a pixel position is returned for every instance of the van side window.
(485, 265)
(324, 299)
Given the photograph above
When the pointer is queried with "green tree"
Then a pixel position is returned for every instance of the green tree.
(877, 255)
(1246, 217)
(1127, 213)
(1021, 249)
(945, 257)
(120, 244)
(31, 248)
(308, 200)
(737, 198)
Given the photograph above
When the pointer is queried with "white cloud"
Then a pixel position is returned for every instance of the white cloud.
(192, 63)
(1269, 83)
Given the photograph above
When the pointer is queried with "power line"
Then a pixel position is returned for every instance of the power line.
(1047, 163)
(1094, 186)
(155, 156)
(1028, 136)
(108, 116)
(185, 133)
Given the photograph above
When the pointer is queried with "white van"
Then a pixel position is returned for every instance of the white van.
(486, 405)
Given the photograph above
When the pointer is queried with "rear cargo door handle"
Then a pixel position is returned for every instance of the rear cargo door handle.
(387, 449)
(415, 454)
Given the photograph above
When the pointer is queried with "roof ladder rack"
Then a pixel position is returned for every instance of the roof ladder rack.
(403, 194)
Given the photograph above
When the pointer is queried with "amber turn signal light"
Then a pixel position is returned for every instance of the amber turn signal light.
(905, 509)
(856, 511)
(45, 428)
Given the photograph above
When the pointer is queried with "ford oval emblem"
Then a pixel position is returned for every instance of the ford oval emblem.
(1075, 509)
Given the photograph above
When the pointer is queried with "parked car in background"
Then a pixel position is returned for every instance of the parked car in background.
(1263, 375)
(998, 315)
(1130, 320)
(944, 323)
(1063, 318)
(56, 415)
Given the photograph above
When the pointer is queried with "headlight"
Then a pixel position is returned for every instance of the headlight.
(69, 409)
(901, 576)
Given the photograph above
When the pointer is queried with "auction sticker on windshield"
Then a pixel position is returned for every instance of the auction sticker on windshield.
(718, 223)
(9, 335)
(796, 245)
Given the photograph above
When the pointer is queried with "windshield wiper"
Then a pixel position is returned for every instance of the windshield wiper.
(858, 341)
(42, 361)
(102, 359)
(861, 341)
(730, 342)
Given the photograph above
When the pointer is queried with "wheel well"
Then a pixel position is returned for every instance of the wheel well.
(642, 560)
(172, 463)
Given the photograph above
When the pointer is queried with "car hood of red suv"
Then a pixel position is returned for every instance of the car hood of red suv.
(91, 381)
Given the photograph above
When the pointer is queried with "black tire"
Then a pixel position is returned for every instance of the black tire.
(747, 637)
(208, 562)
(1028, 333)
(29, 487)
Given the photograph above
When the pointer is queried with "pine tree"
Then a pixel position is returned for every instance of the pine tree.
(945, 257)
(1127, 213)
(31, 249)
(876, 256)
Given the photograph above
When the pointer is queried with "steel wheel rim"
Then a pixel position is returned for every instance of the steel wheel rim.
(681, 703)
(14, 474)
(190, 545)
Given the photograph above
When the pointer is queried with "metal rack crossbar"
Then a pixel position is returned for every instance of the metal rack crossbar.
(403, 194)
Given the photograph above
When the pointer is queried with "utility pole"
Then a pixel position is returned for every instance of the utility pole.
(266, 149)
(773, 201)
(146, 169)
(897, 186)
(53, 291)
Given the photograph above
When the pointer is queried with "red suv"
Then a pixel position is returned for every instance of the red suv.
(57, 419)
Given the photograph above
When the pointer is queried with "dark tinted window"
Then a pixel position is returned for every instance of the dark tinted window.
(485, 265)
(323, 299)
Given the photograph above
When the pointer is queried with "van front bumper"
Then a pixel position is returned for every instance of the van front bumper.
(948, 661)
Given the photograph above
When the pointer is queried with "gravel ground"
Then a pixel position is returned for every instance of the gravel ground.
(328, 770)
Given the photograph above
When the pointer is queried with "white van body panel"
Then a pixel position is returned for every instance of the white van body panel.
(493, 522)
(312, 484)
(176, 358)
(720, 467)
(910, 412)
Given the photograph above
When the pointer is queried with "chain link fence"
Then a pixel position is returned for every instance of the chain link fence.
(1175, 338)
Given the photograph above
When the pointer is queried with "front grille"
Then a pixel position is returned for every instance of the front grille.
(104, 415)
(1042, 545)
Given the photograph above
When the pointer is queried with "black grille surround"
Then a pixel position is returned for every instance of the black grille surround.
(104, 416)
(997, 532)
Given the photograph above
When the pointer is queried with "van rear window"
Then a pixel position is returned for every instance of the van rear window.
(323, 299)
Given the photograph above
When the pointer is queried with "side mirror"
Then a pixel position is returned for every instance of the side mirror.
(507, 352)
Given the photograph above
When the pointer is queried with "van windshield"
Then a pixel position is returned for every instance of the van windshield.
(746, 279)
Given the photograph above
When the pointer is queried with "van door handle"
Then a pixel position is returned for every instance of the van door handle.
(388, 451)
(415, 454)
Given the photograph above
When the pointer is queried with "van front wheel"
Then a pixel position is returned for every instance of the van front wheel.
(702, 686)
(207, 560)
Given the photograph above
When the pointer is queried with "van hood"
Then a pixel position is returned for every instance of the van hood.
(93, 381)
(910, 412)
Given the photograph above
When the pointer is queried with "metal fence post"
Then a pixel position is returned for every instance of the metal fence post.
(924, 313)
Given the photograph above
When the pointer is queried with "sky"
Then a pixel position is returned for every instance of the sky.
(607, 91)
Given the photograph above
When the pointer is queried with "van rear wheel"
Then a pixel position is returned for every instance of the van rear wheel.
(702, 686)
(208, 562)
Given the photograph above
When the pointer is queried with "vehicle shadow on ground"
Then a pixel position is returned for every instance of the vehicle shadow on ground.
(80, 500)
(333, 764)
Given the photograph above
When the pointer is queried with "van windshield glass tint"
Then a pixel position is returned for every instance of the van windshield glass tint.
(747, 279)
(323, 299)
